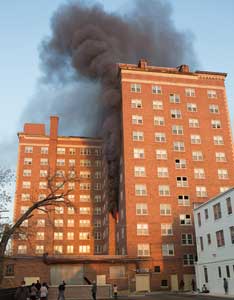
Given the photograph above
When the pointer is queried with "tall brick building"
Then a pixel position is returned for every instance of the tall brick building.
(176, 151)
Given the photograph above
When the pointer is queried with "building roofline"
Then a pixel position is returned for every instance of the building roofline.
(214, 198)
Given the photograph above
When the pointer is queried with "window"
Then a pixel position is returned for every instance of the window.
(229, 206)
(61, 150)
(58, 236)
(97, 211)
(162, 172)
(186, 239)
(197, 156)
(84, 223)
(201, 191)
(157, 105)
(70, 249)
(71, 198)
(142, 229)
(44, 150)
(220, 238)
(166, 229)
(97, 175)
(40, 236)
(185, 219)
(161, 154)
(97, 235)
(141, 209)
(22, 249)
(143, 250)
(157, 269)
(72, 162)
(164, 190)
(138, 153)
(160, 137)
(72, 151)
(58, 249)
(70, 210)
(84, 249)
(84, 210)
(40, 223)
(27, 161)
(43, 185)
(135, 87)
(70, 223)
(174, 98)
(188, 259)
(139, 171)
(180, 163)
(222, 174)
(97, 198)
(195, 139)
(211, 94)
(218, 140)
(84, 236)
(137, 120)
(224, 189)
(85, 151)
(220, 157)
(199, 219)
(43, 173)
(177, 129)
(232, 234)
(199, 173)
(97, 223)
(215, 124)
(97, 163)
(156, 89)
(58, 222)
(24, 223)
(165, 209)
(183, 200)
(85, 186)
(176, 114)
(228, 271)
(23, 209)
(168, 250)
(190, 92)
(206, 275)
(181, 181)
(194, 123)
(26, 185)
(28, 149)
(85, 163)
(60, 173)
(27, 173)
(191, 107)
(214, 109)
(59, 210)
(201, 243)
(60, 162)
(84, 198)
(159, 121)
(25, 197)
(136, 103)
(10, 270)
(140, 190)
(72, 174)
(85, 174)
(220, 272)
(138, 136)
(208, 238)
(164, 283)
(217, 211)
(178, 146)
(206, 213)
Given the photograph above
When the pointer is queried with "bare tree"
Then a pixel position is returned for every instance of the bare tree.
(53, 197)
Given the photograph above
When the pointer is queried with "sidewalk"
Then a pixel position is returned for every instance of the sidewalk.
(204, 294)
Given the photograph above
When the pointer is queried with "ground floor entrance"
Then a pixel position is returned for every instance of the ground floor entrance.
(142, 282)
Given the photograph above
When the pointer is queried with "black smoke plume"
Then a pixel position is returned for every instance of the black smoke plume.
(86, 44)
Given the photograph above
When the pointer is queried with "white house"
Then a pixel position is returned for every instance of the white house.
(214, 227)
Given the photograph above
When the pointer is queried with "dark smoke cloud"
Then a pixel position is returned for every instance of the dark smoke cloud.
(85, 45)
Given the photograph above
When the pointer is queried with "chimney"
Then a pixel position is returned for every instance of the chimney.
(183, 68)
(54, 120)
(142, 63)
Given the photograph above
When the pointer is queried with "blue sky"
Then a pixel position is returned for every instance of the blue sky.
(23, 24)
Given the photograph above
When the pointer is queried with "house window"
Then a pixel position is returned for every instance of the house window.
(218, 140)
(23, 209)
(206, 213)
(58, 222)
(206, 275)
(217, 211)
(43, 173)
(220, 157)
(211, 94)
(183, 200)
(142, 229)
(140, 190)
(229, 206)
(141, 209)
(181, 181)
(214, 109)
(138, 120)
(84, 210)
(157, 269)
(72, 151)
(85, 163)
(97, 198)
(199, 173)
(220, 238)
(84, 223)
(201, 243)
(162, 172)
(28, 149)
(58, 236)
(85, 186)
(143, 249)
(180, 163)
(10, 270)
(222, 174)
(85, 151)
(84, 236)
(60, 173)
(160, 137)
(199, 219)
(22, 249)
(136, 103)
(157, 105)
(164, 190)
(58, 249)
(139, 171)
(224, 189)
(84, 249)
(174, 98)
(59, 210)
(185, 219)
(190, 92)
(164, 283)
(40, 236)
(177, 129)
(216, 124)
(70, 223)
(44, 150)
(27, 173)
(232, 234)
(191, 107)
(117, 272)
(26, 185)
(161, 154)
(85, 174)
(201, 191)
(70, 249)
(197, 156)
(176, 114)
(186, 239)
(40, 223)
(166, 229)
(27, 161)
(39, 249)
(208, 238)
(188, 259)
(194, 123)
(159, 121)
(97, 211)
(168, 250)
(138, 136)
(70, 210)
(178, 146)
(138, 153)
(156, 89)
(220, 272)
(25, 197)
(228, 272)
(61, 150)
(135, 88)
(60, 162)
(72, 162)
(165, 209)
(195, 139)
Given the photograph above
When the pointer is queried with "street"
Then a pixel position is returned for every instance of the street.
(170, 296)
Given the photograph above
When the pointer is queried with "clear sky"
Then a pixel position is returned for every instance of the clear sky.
(23, 24)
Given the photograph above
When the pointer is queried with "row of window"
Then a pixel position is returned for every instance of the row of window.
(220, 240)
(161, 154)
(220, 272)
(61, 185)
(138, 136)
(61, 173)
(71, 151)
(40, 235)
(71, 197)
(62, 162)
(174, 98)
(58, 249)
